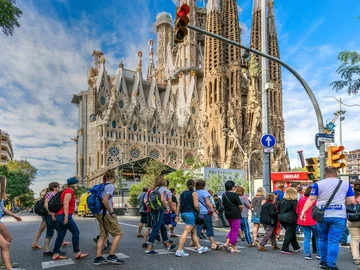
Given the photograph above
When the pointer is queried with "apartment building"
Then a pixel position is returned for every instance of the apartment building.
(6, 153)
(353, 161)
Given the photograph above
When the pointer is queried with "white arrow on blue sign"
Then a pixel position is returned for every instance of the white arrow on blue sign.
(268, 141)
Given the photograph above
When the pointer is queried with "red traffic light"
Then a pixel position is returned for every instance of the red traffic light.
(336, 149)
(183, 10)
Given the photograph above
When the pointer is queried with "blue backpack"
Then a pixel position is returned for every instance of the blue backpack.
(95, 200)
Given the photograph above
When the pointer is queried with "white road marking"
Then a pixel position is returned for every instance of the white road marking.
(51, 264)
(164, 251)
(119, 255)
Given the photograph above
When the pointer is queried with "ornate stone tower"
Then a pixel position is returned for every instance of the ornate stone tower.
(164, 32)
(232, 103)
(214, 94)
(280, 161)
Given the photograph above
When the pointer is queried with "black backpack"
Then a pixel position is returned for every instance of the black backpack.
(55, 204)
(39, 207)
(155, 200)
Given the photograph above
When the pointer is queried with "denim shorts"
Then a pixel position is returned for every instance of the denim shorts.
(188, 218)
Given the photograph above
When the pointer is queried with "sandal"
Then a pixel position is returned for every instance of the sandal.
(59, 257)
(139, 236)
(218, 247)
(81, 256)
(37, 247)
(227, 248)
(235, 251)
(65, 244)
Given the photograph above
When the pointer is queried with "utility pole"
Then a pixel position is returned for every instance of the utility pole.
(264, 96)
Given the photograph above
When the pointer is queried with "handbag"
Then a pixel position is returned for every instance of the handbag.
(353, 212)
(317, 213)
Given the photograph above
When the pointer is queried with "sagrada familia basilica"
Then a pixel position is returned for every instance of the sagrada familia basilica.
(178, 106)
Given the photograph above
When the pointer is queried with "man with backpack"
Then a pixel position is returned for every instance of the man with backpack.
(157, 203)
(142, 210)
(108, 223)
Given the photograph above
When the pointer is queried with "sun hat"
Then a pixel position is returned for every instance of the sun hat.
(72, 181)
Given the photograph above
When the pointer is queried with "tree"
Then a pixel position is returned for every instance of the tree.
(17, 184)
(298, 169)
(27, 199)
(214, 183)
(178, 180)
(349, 71)
(9, 14)
(80, 191)
(24, 166)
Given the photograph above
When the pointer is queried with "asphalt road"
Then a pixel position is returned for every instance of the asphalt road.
(249, 258)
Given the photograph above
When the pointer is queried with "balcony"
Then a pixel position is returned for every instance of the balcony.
(6, 154)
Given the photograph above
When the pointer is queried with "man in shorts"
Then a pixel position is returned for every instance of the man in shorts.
(108, 223)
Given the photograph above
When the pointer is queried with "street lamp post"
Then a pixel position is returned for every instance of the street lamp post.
(251, 187)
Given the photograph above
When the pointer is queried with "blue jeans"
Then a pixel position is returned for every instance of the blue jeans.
(208, 226)
(62, 228)
(344, 237)
(246, 229)
(330, 232)
(159, 225)
(307, 238)
(50, 226)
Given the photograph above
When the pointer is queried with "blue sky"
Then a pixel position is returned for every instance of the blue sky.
(46, 61)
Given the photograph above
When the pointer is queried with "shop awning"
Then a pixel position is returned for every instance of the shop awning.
(137, 167)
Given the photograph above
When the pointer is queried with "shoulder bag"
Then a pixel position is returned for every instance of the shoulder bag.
(199, 218)
(317, 213)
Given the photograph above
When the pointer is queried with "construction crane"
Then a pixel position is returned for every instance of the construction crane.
(301, 156)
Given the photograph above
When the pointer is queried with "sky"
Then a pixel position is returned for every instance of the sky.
(46, 62)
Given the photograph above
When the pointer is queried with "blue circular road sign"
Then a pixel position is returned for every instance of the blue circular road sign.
(268, 141)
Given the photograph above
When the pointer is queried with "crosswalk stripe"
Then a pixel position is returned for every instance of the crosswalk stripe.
(51, 264)
(163, 251)
(119, 255)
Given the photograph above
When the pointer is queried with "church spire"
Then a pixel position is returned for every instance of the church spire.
(213, 5)
(273, 46)
(231, 30)
(151, 68)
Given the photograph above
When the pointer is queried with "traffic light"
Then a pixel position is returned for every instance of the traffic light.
(335, 157)
(311, 167)
(181, 21)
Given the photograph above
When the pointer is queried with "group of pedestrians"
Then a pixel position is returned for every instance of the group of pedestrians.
(160, 212)
(321, 213)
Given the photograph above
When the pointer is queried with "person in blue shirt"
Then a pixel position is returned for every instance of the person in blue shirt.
(332, 227)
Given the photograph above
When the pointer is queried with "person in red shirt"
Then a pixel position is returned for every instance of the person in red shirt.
(308, 225)
(65, 221)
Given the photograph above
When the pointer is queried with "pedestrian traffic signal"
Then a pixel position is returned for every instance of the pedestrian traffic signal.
(335, 157)
(181, 21)
(311, 168)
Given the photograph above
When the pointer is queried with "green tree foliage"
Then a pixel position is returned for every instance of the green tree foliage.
(27, 199)
(349, 71)
(24, 166)
(178, 180)
(17, 184)
(153, 169)
(298, 169)
(9, 14)
(214, 183)
(135, 191)
(80, 191)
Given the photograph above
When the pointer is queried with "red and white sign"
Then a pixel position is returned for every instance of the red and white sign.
(289, 176)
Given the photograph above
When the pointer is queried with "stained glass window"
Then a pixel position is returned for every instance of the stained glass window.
(121, 104)
(114, 151)
(154, 154)
(113, 124)
(102, 100)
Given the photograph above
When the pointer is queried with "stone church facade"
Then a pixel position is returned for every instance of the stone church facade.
(190, 92)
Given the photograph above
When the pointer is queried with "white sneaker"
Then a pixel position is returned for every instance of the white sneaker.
(202, 250)
(181, 253)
